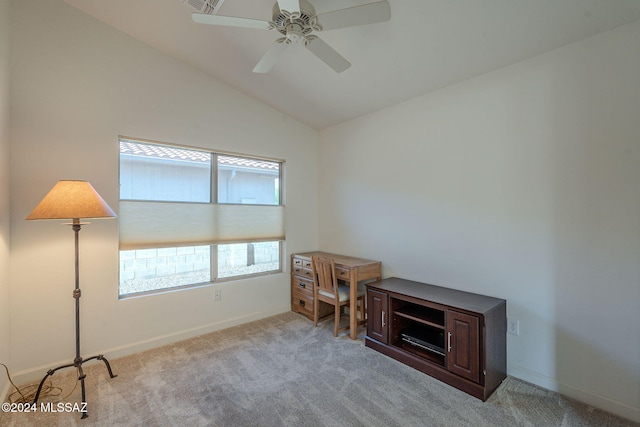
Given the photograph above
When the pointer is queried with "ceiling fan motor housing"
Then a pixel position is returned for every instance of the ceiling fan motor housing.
(296, 27)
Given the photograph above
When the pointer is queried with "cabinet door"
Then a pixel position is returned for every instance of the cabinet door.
(377, 315)
(463, 345)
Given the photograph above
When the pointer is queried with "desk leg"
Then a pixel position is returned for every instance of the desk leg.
(353, 314)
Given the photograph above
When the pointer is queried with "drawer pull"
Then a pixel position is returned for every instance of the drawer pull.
(307, 264)
(302, 303)
(297, 262)
(302, 285)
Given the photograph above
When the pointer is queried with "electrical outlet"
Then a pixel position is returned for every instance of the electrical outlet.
(217, 295)
(513, 326)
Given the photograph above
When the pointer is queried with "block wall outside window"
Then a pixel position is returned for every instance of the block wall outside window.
(248, 258)
(152, 269)
(145, 270)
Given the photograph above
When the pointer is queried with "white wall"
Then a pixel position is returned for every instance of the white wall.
(77, 84)
(5, 320)
(521, 184)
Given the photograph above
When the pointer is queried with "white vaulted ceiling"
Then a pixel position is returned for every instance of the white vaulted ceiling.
(427, 45)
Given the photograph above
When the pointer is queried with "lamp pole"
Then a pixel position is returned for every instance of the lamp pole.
(78, 361)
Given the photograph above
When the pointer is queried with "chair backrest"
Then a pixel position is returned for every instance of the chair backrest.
(324, 274)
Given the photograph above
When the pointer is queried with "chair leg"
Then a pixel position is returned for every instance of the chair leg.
(337, 321)
(316, 309)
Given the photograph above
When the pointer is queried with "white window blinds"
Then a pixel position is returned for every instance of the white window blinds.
(161, 224)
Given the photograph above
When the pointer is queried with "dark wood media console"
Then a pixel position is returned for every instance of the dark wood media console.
(457, 337)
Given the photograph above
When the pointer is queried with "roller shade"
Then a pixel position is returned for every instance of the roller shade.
(164, 224)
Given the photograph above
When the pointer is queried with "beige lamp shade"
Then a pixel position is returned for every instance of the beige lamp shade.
(71, 200)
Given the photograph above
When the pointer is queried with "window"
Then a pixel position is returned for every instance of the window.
(190, 216)
(154, 172)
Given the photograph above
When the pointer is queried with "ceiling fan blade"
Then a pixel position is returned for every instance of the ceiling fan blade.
(229, 21)
(289, 5)
(328, 55)
(269, 59)
(370, 13)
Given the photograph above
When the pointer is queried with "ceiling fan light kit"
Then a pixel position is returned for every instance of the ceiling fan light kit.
(296, 20)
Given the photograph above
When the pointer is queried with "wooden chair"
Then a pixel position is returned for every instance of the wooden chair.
(327, 289)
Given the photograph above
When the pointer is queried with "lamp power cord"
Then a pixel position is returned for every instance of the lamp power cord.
(27, 393)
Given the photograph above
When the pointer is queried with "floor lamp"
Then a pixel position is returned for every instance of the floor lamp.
(73, 200)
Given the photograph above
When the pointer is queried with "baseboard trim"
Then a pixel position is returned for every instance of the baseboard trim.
(584, 396)
(36, 374)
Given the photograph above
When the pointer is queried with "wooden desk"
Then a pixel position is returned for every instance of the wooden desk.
(351, 270)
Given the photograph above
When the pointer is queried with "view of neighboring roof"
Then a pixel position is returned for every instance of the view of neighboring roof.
(162, 151)
(175, 153)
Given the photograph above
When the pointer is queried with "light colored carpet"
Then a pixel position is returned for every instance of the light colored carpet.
(282, 371)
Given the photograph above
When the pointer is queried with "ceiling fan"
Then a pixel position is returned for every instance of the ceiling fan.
(296, 20)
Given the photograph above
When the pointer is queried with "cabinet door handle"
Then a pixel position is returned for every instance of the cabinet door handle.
(449, 341)
(383, 322)
(301, 303)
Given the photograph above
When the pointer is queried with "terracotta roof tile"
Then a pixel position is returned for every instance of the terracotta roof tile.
(163, 152)
(166, 152)
(252, 163)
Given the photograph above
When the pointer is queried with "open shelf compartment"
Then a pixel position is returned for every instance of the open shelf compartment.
(426, 315)
(419, 330)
